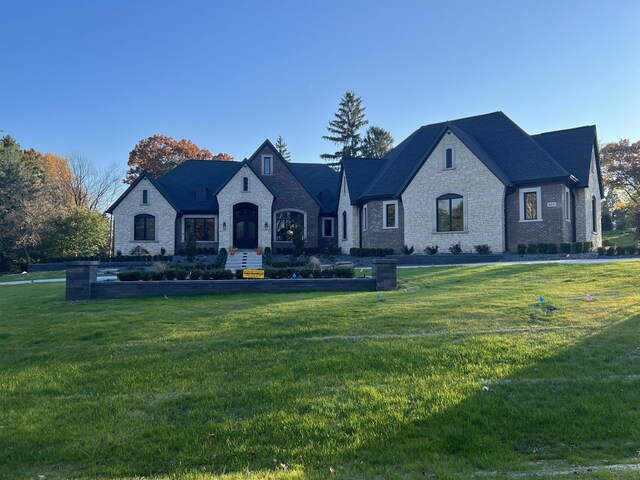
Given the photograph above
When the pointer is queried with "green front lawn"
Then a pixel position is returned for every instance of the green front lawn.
(622, 238)
(17, 277)
(460, 373)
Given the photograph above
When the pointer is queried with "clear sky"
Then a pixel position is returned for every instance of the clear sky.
(96, 77)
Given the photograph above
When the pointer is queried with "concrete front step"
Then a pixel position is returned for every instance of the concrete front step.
(244, 260)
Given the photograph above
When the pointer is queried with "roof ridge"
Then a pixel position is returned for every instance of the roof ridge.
(562, 130)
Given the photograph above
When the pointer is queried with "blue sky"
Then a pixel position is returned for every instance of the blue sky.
(96, 77)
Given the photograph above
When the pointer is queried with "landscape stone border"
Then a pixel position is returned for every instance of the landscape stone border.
(82, 284)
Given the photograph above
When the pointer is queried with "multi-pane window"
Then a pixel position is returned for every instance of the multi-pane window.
(450, 213)
(144, 227)
(202, 228)
(285, 222)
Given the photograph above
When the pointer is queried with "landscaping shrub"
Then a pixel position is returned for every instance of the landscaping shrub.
(191, 248)
(170, 274)
(632, 250)
(181, 274)
(195, 274)
(407, 250)
(206, 275)
(522, 249)
(483, 249)
(145, 276)
(157, 276)
(577, 247)
(238, 273)
(333, 250)
(313, 263)
(370, 252)
(431, 249)
(620, 250)
(532, 248)
(455, 249)
(552, 248)
(588, 247)
(542, 248)
(338, 272)
(602, 251)
(611, 251)
(298, 240)
(223, 252)
(181, 252)
(565, 247)
(129, 276)
(221, 274)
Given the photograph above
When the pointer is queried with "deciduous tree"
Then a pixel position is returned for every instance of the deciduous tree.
(377, 142)
(344, 129)
(89, 187)
(78, 232)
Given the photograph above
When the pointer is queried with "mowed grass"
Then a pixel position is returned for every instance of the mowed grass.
(17, 277)
(624, 238)
(460, 373)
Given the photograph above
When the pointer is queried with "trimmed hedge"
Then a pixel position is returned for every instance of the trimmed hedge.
(370, 252)
(106, 259)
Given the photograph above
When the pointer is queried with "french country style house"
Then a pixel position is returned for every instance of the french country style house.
(476, 180)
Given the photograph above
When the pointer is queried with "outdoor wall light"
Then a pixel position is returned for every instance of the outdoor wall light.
(266, 225)
(224, 225)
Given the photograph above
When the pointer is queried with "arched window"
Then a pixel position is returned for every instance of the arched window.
(286, 220)
(594, 213)
(144, 227)
(344, 225)
(450, 213)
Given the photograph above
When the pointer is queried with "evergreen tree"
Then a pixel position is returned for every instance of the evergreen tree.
(344, 129)
(377, 142)
(281, 146)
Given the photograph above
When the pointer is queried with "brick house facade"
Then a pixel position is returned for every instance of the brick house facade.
(477, 180)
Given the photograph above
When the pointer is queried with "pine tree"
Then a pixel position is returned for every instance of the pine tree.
(344, 130)
(281, 146)
(377, 142)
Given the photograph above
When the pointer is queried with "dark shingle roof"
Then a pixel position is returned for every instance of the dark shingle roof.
(181, 183)
(572, 149)
(509, 152)
(321, 181)
(154, 182)
(360, 173)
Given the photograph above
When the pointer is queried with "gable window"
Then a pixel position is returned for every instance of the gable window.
(530, 205)
(594, 213)
(286, 220)
(145, 197)
(344, 225)
(390, 214)
(448, 158)
(450, 213)
(365, 218)
(267, 165)
(327, 227)
(144, 227)
(245, 184)
(204, 229)
(567, 205)
(344, 185)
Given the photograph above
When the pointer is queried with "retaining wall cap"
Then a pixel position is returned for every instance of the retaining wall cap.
(83, 262)
(384, 260)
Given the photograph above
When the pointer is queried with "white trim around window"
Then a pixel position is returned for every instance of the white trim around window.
(453, 159)
(267, 164)
(567, 204)
(385, 220)
(215, 226)
(521, 195)
(328, 219)
(365, 218)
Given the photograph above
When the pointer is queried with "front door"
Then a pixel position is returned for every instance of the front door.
(245, 225)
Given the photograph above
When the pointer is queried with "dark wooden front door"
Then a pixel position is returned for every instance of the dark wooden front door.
(245, 225)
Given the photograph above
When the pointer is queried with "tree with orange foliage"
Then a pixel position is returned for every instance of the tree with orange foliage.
(158, 154)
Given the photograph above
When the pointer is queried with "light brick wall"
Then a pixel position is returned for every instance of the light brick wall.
(584, 222)
(353, 219)
(232, 194)
(130, 206)
(483, 195)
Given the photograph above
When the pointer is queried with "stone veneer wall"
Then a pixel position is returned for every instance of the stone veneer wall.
(290, 195)
(483, 195)
(584, 227)
(157, 206)
(553, 228)
(375, 236)
(353, 219)
(231, 195)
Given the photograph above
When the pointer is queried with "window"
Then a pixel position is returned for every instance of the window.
(594, 213)
(450, 213)
(344, 225)
(390, 214)
(448, 158)
(245, 184)
(567, 205)
(144, 227)
(530, 205)
(344, 184)
(285, 221)
(145, 197)
(365, 216)
(267, 167)
(204, 229)
(327, 227)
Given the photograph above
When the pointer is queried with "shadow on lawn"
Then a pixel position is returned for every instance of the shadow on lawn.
(579, 407)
